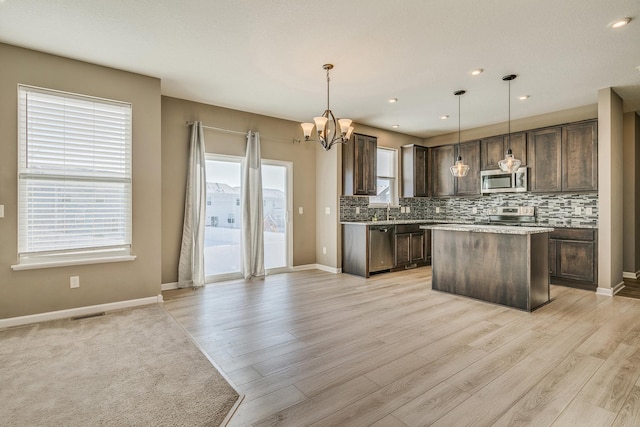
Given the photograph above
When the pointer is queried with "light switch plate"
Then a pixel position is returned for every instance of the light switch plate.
(578, 210)
(300, 210)
(1, 211)
(437, 209)
(588, 211)
(407, 209)
(357, 210)
(327, 210)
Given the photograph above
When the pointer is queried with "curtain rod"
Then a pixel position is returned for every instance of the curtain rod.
(293, 140)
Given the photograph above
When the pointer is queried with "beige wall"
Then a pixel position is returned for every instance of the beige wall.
(43, 290)
(631, 195)
(276, 136)
(610, 188)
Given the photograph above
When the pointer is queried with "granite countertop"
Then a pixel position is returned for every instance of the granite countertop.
(400, 221)
(498, 229)
(550, 224)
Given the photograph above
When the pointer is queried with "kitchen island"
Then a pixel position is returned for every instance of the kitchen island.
(506, 265)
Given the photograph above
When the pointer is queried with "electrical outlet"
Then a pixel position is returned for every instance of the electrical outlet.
(589, 211)
(357, 210)
(74, 281)
(402, 209)
(474, 210)
(324, 250)
(327, 210)
(578, 210)
(437, 209)
(407, 209)
(300, 210)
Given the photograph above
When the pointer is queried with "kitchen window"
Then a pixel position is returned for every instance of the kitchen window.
(386, 178)
(74, 179)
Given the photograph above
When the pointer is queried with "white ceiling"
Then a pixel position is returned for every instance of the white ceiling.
(266, 56)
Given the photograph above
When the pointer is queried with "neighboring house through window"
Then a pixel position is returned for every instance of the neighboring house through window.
(74, 179)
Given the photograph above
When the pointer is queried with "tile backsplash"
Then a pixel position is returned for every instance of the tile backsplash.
(569, 209)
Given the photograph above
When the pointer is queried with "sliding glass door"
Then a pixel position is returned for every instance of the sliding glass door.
(223, 229)
(276, 206)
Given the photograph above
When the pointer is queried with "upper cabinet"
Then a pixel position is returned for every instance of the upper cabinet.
(564, 158)
(441, 178)
(580, 156)
(493, 149)
(443, 157)
(415, 167)
(359, 166)
(470, 184)
(545, 159)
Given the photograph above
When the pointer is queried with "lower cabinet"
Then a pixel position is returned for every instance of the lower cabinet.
(573, 259)
(412, 246)
(368, 249)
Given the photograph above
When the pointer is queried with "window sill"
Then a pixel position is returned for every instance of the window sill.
(51, 264)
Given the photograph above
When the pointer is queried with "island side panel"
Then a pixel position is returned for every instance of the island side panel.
(491, 267)
(539, 270)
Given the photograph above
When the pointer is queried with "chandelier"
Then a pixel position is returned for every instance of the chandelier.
(329, 131)
(509, 163)
(459, 169)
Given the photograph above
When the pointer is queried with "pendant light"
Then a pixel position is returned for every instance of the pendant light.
(509, 163)
(459, 169)
(329, 130)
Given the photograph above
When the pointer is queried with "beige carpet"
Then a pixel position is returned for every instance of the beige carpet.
(135, 367)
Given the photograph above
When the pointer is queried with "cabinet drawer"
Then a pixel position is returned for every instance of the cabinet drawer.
(573, 234)
(407, 228)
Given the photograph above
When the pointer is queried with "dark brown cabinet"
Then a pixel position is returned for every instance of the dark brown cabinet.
(580, 157)
(494, 149)
(412, 245)
(573, 257)
(359, 166)
(470, 184)
(442, 182)
(545, 159)
(415, 167)
(564, 158)
(443, 157)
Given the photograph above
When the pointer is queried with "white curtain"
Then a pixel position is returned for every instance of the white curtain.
(252, 211)
(191, 265)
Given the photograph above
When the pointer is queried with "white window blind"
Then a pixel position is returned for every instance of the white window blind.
(74, 183)
(387, 187)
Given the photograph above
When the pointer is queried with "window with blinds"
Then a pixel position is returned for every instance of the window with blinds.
(74, 182)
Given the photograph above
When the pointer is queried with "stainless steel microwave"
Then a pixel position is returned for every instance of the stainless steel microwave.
(498, 181)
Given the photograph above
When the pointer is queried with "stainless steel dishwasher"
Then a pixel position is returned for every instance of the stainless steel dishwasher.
(381, 244)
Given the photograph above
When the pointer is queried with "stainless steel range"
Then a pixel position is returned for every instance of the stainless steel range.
(510, 215)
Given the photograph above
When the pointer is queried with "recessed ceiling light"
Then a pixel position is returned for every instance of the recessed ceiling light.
(393, 100)
(620, 23)
(477, 71)
(444, 117)
(395, 126)
(523, 97)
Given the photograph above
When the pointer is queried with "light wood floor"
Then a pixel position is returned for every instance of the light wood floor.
(314, 348)
(631, 289)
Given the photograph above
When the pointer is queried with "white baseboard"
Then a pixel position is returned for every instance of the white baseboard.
(169, 286)
(317, 267)
(628, 275)
(79, 311)
(609, 292)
